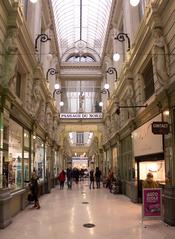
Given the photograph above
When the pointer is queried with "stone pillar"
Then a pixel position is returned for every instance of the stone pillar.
(169, 205)
(5, 213)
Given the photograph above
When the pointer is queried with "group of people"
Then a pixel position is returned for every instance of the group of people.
(95, 177)
(74, 175)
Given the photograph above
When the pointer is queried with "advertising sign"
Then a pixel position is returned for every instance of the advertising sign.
(152, 203)
(160, 128)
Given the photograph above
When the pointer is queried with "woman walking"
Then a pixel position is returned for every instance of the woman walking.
(62, 178)
(34, 189)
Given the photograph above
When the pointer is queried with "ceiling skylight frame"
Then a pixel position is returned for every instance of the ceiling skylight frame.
(93, 27)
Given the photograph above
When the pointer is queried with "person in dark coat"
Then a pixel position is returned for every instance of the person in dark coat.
(98, 177)
(69, 174)
(34, 189)
(91, 179)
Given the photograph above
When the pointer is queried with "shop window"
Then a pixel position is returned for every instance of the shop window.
(1, 168)
(79, 58)
(56, 164)
(26, 155)
(39, 158)
(80, 138)
(18, 84)
(14, 162)
(157, 168)
(148, 80)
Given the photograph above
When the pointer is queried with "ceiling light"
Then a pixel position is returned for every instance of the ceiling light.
(61, 103)
(106, 86)
(134, 3)
(57, 86)
(101, 104)
(116, 57)
(166, 112)
(34, 1)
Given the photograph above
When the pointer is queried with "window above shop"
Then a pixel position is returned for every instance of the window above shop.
(81, 24)
(80, 59)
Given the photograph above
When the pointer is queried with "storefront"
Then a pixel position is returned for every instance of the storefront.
(1, 151)
(39, 158)
(114, 160)
(16, 167)
(148, 153)
(57, 167)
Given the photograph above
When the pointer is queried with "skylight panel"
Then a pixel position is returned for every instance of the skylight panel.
(81, 20)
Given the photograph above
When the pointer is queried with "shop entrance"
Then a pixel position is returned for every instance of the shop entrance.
(154, 164)
(80, 163)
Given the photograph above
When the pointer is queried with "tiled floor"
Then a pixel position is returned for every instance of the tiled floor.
(62, 215)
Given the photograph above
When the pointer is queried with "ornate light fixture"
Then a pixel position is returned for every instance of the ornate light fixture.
(112, 70)
(57, 90)
(51, 71)
(105, 90)
(122, 37)
(43, 38)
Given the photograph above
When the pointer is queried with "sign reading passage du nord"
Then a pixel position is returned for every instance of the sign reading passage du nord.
(152, 203)
(81, 116)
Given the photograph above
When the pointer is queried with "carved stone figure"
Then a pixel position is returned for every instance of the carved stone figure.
(49, 120)
(160, 56)
(140, 85)
(113, 123)
(130, 100)
(41, 113)
(10, 58)
(36, 98)
(108, 125)
(55, 128)
(81, 102)
(28, 95)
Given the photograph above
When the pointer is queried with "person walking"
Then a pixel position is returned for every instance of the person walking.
(98, 177)
(69, 175)
(91, 179)
(34, 189)
(62, 178)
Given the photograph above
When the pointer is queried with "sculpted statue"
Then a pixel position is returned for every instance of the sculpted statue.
(10, 58)
(36, 98)
(41, 113)
(81, 102)
(140, 87)
(130, 100)
(160, 56)
(49, 119)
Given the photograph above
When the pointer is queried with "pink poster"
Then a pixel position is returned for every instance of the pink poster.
(152, 202)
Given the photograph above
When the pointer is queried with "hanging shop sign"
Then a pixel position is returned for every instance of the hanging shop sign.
(81, 116)
(152, 203)
(160, 127)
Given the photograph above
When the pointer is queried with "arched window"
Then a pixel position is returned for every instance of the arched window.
(78, 58)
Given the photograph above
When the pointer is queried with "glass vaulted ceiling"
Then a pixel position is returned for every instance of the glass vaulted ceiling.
(81, 24)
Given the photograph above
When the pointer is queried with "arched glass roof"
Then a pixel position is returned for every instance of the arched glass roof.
(81, 24)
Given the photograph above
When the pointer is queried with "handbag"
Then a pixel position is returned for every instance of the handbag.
(30, 197)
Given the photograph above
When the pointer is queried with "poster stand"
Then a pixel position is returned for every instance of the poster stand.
(152, 204)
